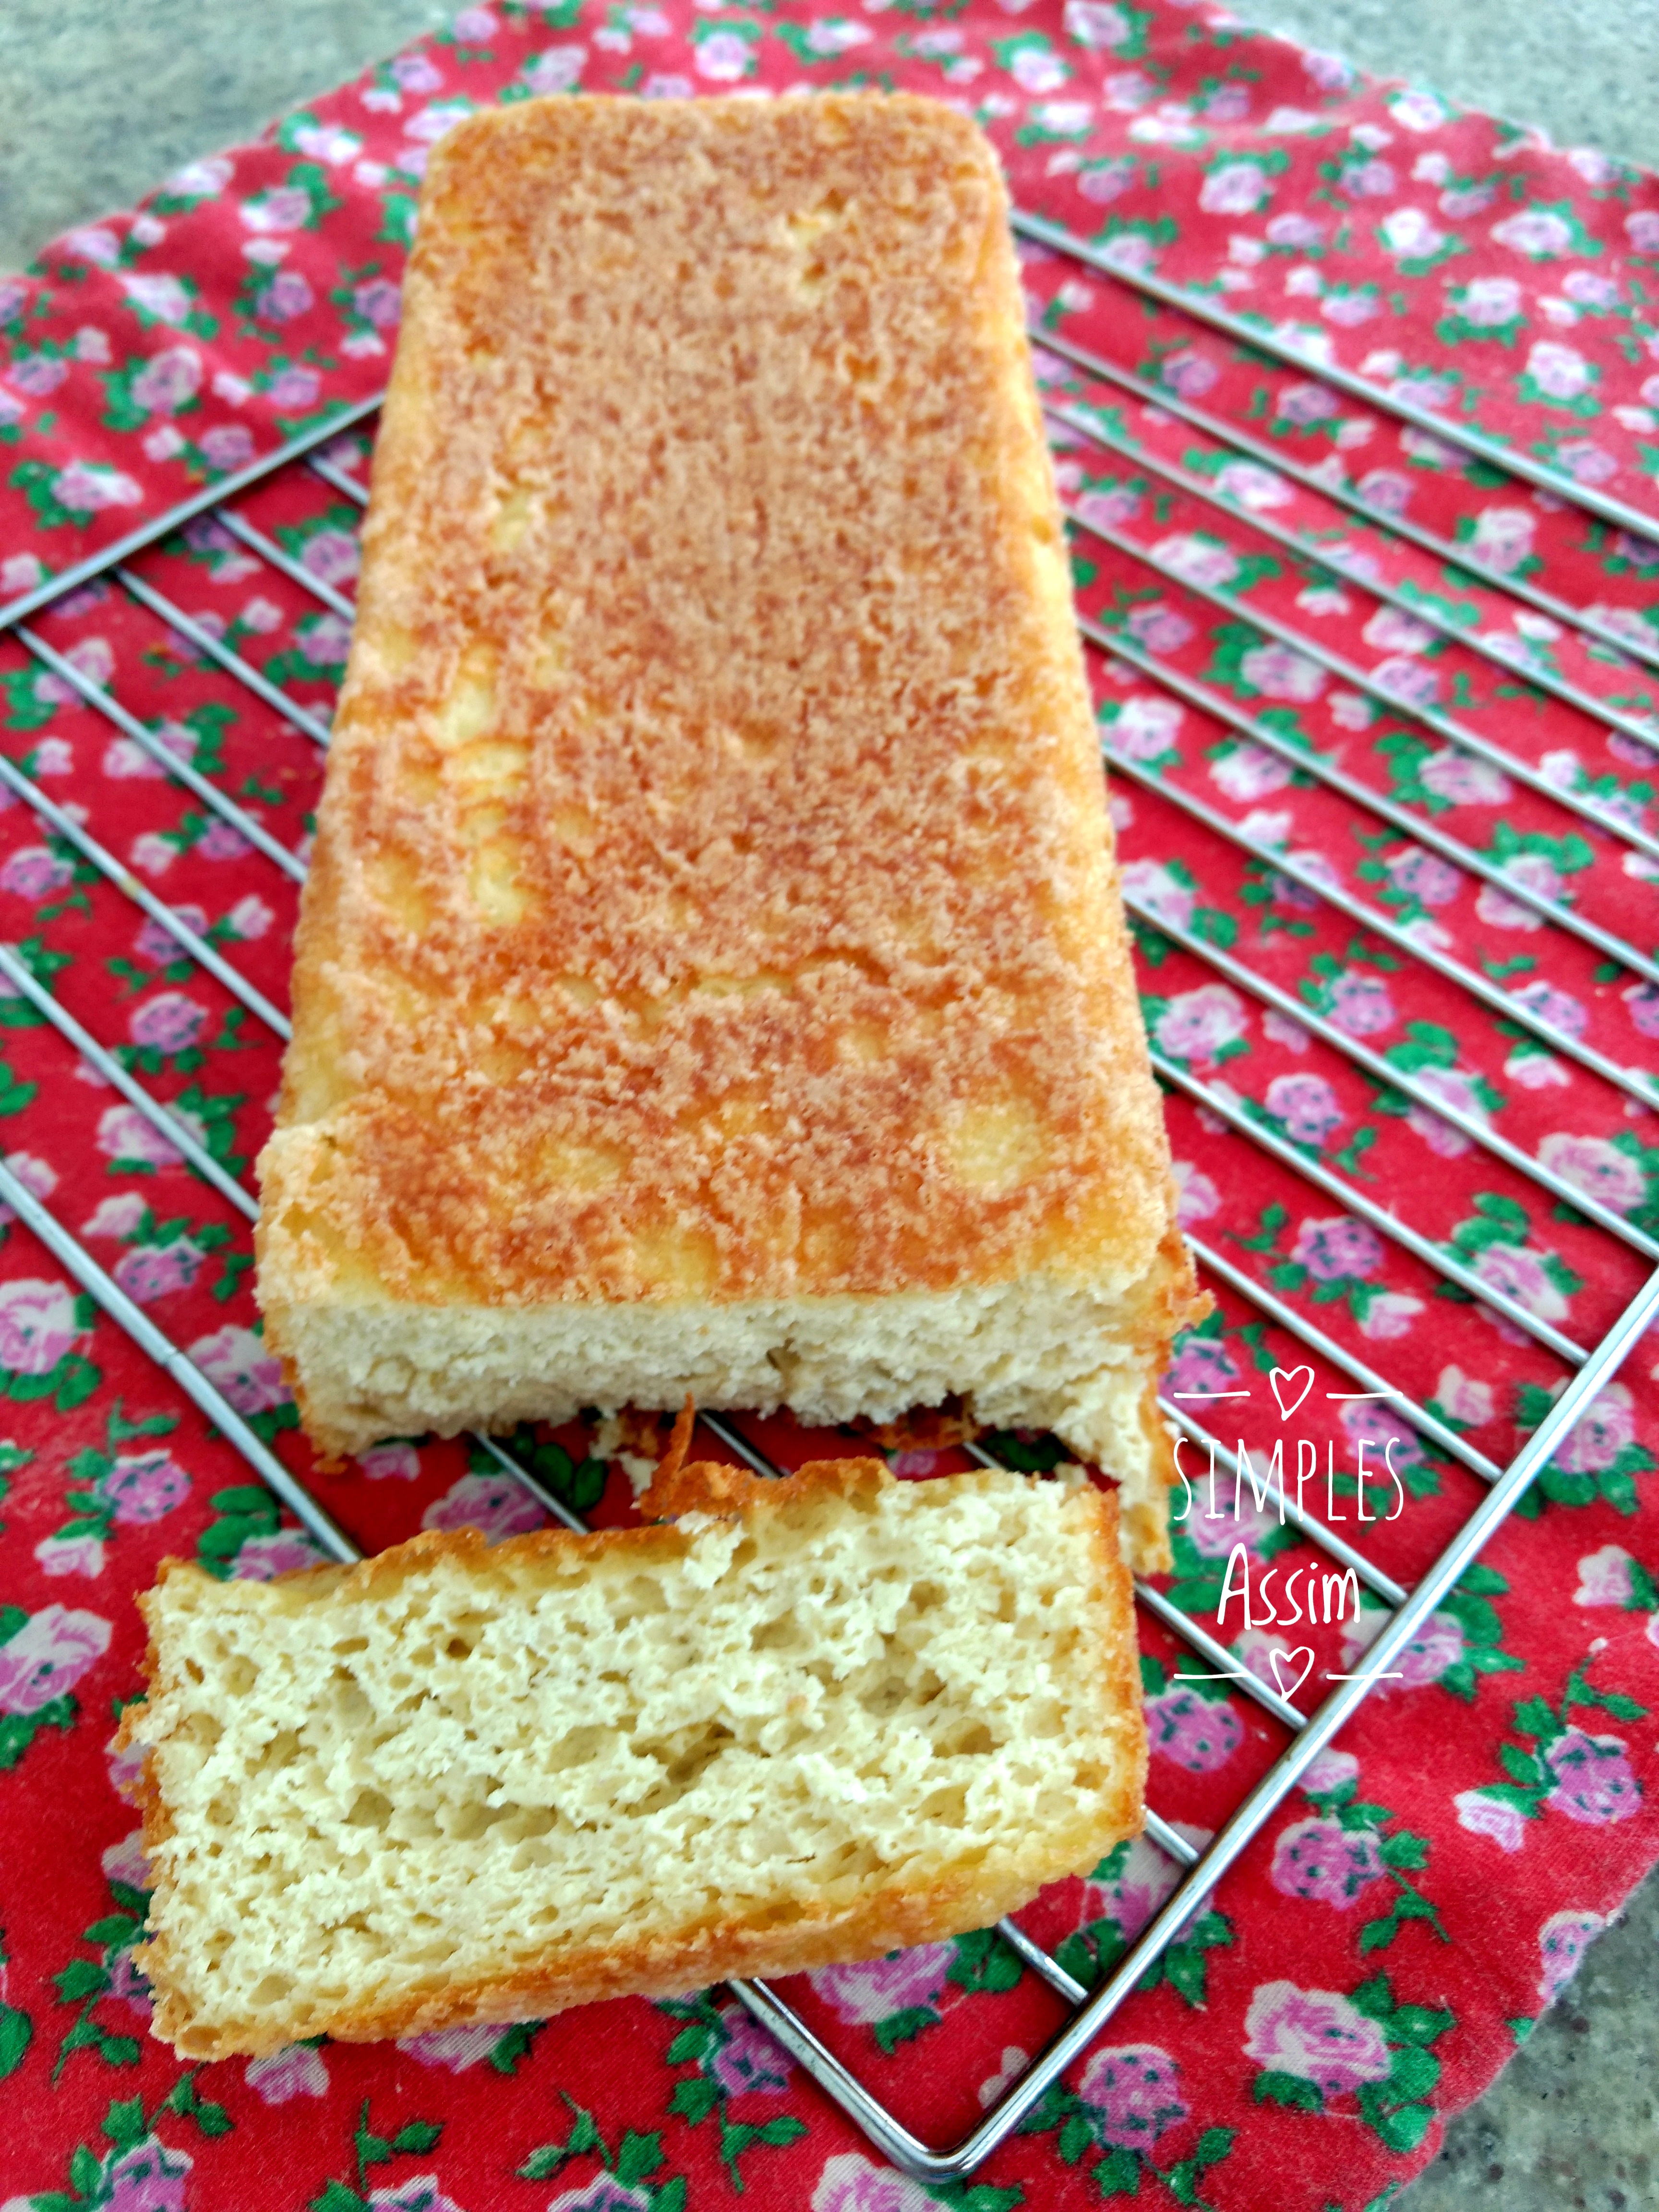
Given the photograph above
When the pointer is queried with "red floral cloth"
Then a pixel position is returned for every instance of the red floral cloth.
(1418, 1902)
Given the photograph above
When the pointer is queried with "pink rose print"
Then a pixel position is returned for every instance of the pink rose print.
(1533, 871)
(1411, 682)
(1600, 1435)
(150, 1271)
(416, 73)
(326, 641)
(124, 1133)
(1438, 1643)
(1396, 634)
(295, 390)
(1522, 1273)
(875, 1991)
(1424, 876)
(1303, 403)
(1109, 509)
(1331, 1770)
(1502, 537)
(1604, 1577)
(913, 1465)
(1323, 1860)
(1593, 1784)
(1201, 1364)
(1249, 772)
(1146, 729)
(1490, 302)
(1488, 1816)
(389, 1462)
(149, 2178)
(262, 1558)
(125, 1862)
(1643, 1000)
(421, 2193)
(141, 1488)
(1145, 1879)
(1195, 1025)
(1158, 629)
(37, 1176)
(1198, 1199)
(1191, 1732)
(128, 1986)
(37, 374)
(1307, 1105)
(285, 208)
(285, 298)
(1279, 673)
(333, 556)
(32, 873)
(236, 1362)
(1199, 560)
(230, 445)
(1562, 1012)
(1188, 374)
(1259, 489)
(1359, 1003)
(1463, 781)
(1463, 1398)
(750, 2060)
(86, 486)
(1132, 2096)
(1455, 1089)
(1330, 1250)
(604, 2193)
(1375, 1427)
(169, 1023)
(1164, 896)
(1600, 1170)
(38, 1327)
(1387, 490)
(494, 1503)
(159, 944)
(126, 1769)
(850, 2183)
(455, 2049)
(295, 2070)
(168, 380)
(1316, 2035)
(1213, 1535)
(1097, 24)
(48, 1656)
(70, 1555)
(1562, 1943)
(1389, 1314)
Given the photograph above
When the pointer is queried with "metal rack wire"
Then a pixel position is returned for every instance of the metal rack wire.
(1590, 1365)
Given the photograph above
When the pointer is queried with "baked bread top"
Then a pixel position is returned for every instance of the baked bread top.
(713, 893)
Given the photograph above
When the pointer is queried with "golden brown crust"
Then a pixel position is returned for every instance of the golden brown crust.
(713, 895)
(899, 1916)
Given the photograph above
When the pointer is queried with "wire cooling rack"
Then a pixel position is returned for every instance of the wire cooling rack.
(331, 455)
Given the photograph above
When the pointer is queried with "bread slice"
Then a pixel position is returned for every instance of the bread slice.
(712, 974)
(811, 1720)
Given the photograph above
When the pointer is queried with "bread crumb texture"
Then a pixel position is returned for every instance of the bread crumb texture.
(811, 1721)
(712, 905)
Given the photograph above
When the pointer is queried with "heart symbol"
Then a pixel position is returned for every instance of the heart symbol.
(1305, 1653)
(1286, 1377)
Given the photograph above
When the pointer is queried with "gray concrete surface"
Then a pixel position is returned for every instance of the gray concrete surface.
(99, 99)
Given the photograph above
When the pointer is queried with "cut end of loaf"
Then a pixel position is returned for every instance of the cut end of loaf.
(808, 1722)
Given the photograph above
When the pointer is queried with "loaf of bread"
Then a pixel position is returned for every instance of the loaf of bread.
(712, 974)
(806, 1722)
